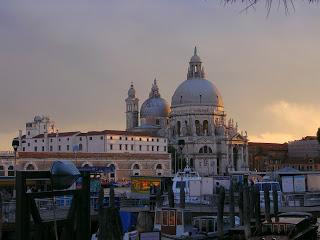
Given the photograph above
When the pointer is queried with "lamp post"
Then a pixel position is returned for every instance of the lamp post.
(15, 145)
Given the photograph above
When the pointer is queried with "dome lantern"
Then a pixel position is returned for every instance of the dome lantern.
(195, 70)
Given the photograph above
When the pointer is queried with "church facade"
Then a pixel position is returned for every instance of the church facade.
(195, 124)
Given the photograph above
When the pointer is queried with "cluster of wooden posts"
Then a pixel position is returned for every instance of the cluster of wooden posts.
(249, 209)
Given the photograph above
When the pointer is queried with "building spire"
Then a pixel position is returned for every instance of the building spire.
(195, 51)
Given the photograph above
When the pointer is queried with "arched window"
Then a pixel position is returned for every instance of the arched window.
(205, 127)
(159, 170)
(2, 171)
(179, 128)
(10, 171)
(80, 147)
(136, 170)
(198, 128)
(205, 149)
(30, 167)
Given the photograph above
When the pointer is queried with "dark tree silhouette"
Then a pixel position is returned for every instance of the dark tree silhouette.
(318, 135)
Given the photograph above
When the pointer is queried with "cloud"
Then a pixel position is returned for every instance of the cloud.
(285, 121)
(272, 137)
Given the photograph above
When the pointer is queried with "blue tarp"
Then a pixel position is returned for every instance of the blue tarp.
(128, 219)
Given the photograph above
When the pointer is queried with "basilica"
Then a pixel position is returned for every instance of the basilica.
(195, 124)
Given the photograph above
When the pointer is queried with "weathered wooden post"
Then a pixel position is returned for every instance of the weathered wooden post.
(246, 212)
(267, 204)
(159, 198)
(240, 203)
(257, 211)
(111, 197)
(182, 196)
(171, 197)
(275, 205)
(221, 198)
(231, 206)
(251, 202)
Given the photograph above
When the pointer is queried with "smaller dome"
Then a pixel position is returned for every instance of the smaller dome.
(154, 107)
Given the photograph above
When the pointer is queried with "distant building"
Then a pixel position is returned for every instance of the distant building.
(307, 147)
(264, 156)
(131, 153)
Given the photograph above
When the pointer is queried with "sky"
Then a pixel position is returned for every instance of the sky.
(74, 60)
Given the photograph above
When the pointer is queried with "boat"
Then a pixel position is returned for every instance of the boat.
(291, 226)
(173, 222)
(183, 179)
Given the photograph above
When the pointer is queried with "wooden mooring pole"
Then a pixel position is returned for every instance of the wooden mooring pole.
(275, 205)
(231, 206)
(246, 212)
(267, 204)
(221, 197)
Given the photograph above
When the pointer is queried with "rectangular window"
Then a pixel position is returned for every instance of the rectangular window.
(120, 138)
(157, 139)
(111, 146)
(80, 138)
(68, 147)
(120, 147)
(90, 138)
(59, 140)
(35, 141)
(165, 148)
(131, 147)
(51, 149)
(140, 148)
(126, 138)
(147, 148)
(28, 144)
(126, 146)
(101, 137)
(43, 140)
(110, 137)
(140, 139)
(172, 217)
(35, 149)
(59, 148)
(42, 148)
(152, 139)
(51, 139)
(152, 148)
(132, 139)
(147, 139)
(23, 149)
(157, 148)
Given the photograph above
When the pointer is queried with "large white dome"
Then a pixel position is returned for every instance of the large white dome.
(197, 91)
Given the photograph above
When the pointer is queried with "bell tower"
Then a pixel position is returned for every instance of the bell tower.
(132, 109)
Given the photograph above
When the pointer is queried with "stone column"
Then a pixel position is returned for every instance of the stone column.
(231, 156)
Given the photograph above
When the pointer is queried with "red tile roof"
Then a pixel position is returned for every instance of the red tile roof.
(60, 134)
